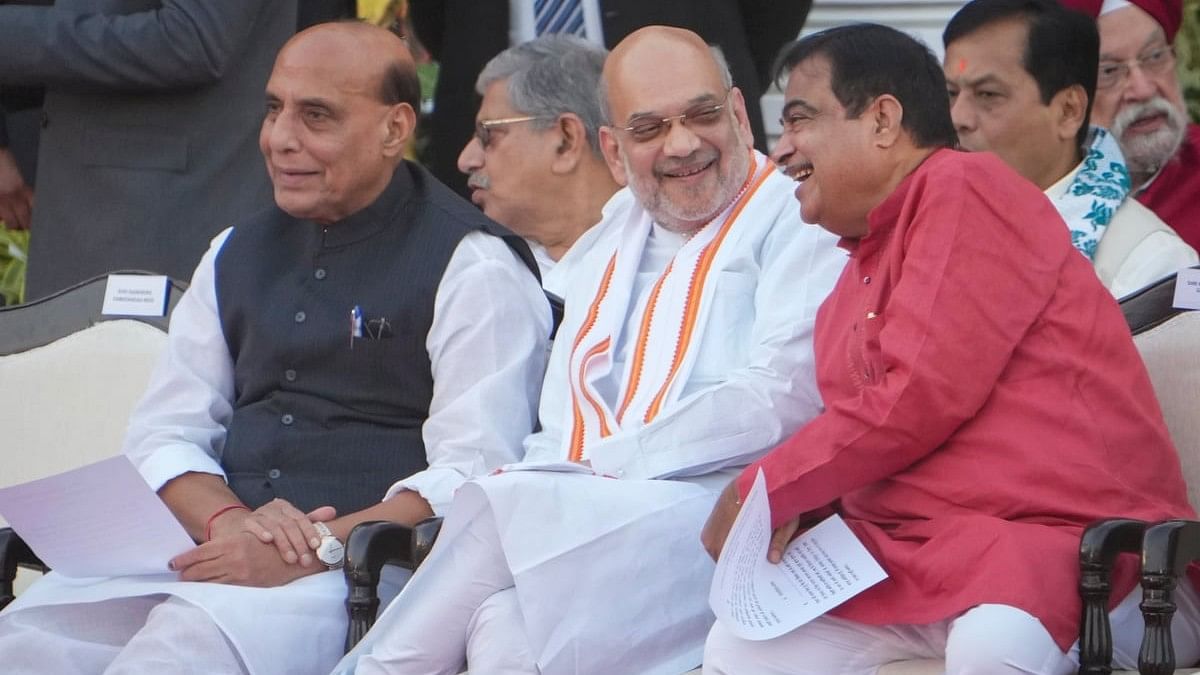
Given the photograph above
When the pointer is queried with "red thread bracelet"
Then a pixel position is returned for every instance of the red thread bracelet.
(223, 509)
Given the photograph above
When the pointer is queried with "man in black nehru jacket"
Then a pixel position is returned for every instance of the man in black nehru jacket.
(354, 354)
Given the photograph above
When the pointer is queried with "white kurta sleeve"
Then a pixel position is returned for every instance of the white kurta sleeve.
(179, 425)
(487, 346)
(767, 393)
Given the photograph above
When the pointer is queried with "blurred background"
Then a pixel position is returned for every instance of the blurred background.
(923, 18)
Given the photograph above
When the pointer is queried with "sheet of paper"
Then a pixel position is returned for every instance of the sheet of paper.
(135, 295)
(1187, 289)
(98, 520)
(821, 569)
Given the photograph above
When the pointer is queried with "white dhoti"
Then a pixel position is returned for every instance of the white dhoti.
(608, 576)
(985, 640)
(296, 628)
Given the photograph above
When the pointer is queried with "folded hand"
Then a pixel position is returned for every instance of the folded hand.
(240, 559)
(288, 528)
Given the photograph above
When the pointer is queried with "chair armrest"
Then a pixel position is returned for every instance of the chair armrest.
(14, 552)
(372, 545)
(1167, 549)
(1098, 548)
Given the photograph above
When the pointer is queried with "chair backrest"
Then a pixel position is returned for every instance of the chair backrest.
(1146, 308)
(1168, 340)
(69, 379)
(1169, 351)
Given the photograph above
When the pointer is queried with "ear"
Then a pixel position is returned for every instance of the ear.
(571, 137)
(611, 149)
(887, 115)
(739, 112)
(1070, 111)
(399, 125)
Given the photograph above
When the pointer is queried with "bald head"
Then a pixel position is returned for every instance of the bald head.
(358, 48)
(629, 63)
(680, 137)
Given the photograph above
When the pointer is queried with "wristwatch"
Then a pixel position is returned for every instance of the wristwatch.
(331, 552)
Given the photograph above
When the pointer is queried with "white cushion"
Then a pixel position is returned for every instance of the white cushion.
(1170, 354)
(67, 403)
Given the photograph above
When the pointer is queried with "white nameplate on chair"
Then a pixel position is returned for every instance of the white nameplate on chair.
(1187, 289)
(821, 569)
(99, 520)
(135, 295)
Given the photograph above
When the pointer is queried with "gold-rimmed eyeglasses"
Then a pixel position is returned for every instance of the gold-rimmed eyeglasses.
(483, 128)
(1153, 61)
(704, 115)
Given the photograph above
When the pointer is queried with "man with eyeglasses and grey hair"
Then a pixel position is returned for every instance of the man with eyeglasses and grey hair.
(1139, 98)
(685, 353)
(534, 163)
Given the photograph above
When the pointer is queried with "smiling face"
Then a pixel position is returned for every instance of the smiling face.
(996, 105)
(1145, 110)
(508, 176)
(686, 175)
(827, 154)
(331, 144)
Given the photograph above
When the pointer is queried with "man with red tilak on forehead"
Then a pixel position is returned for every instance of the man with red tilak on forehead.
(1138, 97)
(685, 352)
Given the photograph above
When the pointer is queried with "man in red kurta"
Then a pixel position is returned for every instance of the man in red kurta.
(1139, 98)
(984, 400)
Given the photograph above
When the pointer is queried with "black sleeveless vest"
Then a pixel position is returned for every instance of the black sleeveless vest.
(328, 410)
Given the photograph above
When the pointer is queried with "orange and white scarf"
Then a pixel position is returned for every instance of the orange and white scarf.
(670, 321)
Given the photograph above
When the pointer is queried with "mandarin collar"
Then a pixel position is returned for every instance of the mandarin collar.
(882, 219)
(373, 219)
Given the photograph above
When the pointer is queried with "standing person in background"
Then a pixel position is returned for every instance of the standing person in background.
(463, 34)
(20, 108)
(1139, 98)
(20, 115)
(1021, 76)
(149, 131)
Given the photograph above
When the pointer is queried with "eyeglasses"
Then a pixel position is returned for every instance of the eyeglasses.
(1153, 61)
(483, 128)
(645, 130)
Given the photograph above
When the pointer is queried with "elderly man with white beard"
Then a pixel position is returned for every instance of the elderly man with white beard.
(1138, 97)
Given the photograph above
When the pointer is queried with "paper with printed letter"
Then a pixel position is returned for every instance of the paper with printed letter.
(821, 569)
(98, 520)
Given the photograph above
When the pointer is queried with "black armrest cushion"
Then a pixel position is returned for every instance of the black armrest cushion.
(14, 552)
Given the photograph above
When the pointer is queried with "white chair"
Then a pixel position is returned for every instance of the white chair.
(69, 378)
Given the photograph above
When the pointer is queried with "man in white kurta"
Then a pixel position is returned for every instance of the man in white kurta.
(452, 322)
(534, 164)
(685, 352)
(1021, 78)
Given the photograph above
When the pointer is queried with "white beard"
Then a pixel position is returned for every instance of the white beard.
(1146, 153)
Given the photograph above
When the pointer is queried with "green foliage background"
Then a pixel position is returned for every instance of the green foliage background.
(14, 249)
